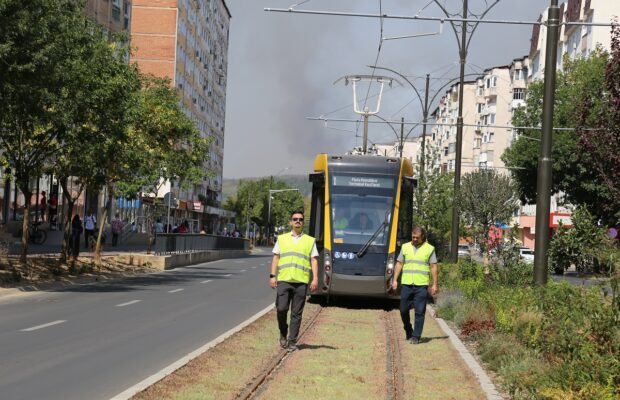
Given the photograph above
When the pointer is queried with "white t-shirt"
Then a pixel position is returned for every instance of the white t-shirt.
(313, 253)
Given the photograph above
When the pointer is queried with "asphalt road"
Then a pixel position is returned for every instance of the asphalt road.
(95, 341)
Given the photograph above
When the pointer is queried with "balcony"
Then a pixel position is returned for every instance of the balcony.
(490, 92)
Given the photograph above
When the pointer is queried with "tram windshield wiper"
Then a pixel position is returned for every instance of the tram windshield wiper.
(362, 251)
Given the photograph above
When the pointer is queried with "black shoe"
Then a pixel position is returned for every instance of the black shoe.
(414, 340)
(283, 342)
(292, 346)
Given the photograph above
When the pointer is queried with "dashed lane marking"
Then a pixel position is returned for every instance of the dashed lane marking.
(175, 290)
(128, 303)
(243, 270)
(207, 281)
(34, 328)
(227, 275)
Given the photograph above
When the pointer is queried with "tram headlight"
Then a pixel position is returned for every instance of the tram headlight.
(327, 262)
(389, 266)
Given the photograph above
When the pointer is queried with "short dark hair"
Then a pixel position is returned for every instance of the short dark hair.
(421, 231)
(297, 212)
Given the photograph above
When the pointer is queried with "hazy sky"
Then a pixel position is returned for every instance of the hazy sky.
(282, 66)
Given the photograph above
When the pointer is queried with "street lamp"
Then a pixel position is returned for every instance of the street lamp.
(271, 192)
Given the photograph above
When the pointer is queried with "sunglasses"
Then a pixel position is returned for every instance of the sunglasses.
(297, 219)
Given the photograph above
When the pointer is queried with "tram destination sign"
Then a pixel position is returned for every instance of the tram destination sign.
(363, 182)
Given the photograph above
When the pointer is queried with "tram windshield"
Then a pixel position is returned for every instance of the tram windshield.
(356, 217)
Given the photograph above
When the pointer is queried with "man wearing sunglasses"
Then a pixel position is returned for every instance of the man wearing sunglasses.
(294, 256)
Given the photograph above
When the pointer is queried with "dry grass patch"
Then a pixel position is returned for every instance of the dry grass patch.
(225, 370)
(434, 370)
(342, 357)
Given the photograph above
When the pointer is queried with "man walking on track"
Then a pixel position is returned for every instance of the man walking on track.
(417, 260)
(294, 256)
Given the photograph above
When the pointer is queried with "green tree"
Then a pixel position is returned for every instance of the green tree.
(580, 245)
(95, 120)
(600, 148)
(581, 82)
(433, 203)
(43, 46)
(159, 143)
(486, 198)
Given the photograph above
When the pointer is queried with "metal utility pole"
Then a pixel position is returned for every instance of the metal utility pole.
(402, 131)
(454, 238)
(545, 162)
(425, 122)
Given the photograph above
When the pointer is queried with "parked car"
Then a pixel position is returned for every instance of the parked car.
(526, 254)
(464, 251)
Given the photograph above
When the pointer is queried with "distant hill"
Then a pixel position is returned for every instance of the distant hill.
(229, 186)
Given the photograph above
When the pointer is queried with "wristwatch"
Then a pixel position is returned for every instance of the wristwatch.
(272, 276)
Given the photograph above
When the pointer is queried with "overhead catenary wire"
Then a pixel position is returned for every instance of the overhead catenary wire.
(440, 19)
(447, 124)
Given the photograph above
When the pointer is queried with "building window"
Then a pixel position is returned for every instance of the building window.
(491, 118)
(116, 13)
(518, 94)
(445, 151)
(479, 107)
(491, 136)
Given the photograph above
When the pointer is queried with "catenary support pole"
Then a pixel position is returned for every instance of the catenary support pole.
(402, 132)
(454, 239)
(545, 162)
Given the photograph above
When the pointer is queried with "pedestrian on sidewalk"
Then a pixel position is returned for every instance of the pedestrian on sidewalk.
(117, 228)
(76, 233)
(294, 256)
(90, 223)
(417, 261)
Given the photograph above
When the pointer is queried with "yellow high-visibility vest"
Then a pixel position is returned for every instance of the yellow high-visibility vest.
(416, 266)
(294, 265)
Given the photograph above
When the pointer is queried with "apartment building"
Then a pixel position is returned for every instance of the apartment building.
(574, 40)
(187, 42)
(499, 92)
(443, 134)
(113, 15)
(410, 149)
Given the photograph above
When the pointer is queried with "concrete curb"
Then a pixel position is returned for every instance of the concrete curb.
(485, 382)
(151, 380)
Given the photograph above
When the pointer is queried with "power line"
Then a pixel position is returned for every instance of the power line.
(445, 19)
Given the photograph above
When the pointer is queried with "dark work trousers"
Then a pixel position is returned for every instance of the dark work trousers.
(114, 239)
(290, 293)
(412, 296)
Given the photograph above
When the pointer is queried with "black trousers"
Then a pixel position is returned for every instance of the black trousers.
(293, 296)
(412, 296)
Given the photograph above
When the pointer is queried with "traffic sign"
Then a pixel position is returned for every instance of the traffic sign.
(612, 233)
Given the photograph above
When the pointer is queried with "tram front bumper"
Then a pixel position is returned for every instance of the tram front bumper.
(356, 285)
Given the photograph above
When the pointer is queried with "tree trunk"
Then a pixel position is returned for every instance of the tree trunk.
(25, 225)
(98, 247)
(65, 252)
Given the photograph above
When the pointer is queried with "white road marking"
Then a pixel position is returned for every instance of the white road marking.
(253, 267)
(227, 275)
(175, 290)
(207, 281)
(34, 328)
(137, 388)
(128, 303)
(243, 270)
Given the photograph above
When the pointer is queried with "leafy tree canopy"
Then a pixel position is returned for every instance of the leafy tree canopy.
(578, 102)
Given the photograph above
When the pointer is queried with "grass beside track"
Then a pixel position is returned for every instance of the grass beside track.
(433, 368)
(343, 356)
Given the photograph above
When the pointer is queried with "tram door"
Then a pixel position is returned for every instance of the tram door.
(317, 211)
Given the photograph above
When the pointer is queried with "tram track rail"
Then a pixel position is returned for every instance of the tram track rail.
(394, 367)
(261, 381)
